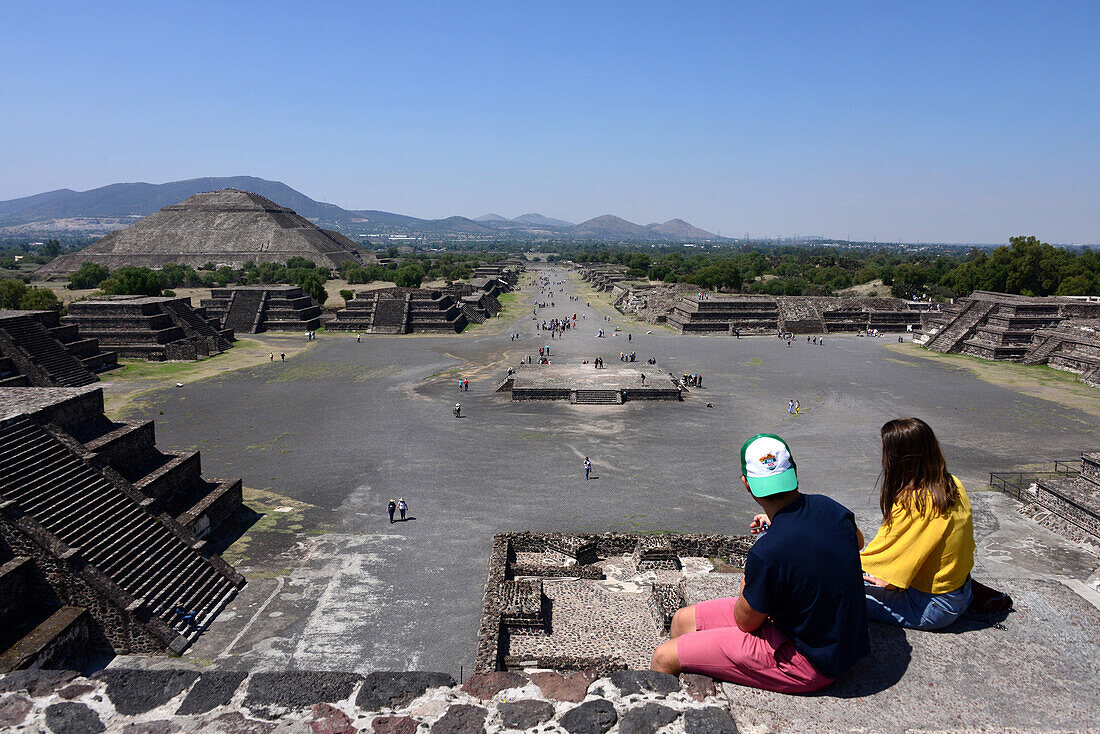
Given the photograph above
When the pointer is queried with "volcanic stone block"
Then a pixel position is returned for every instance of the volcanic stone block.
(664, 600)
(647, 719)
(524, 607)
(655, 552)
(525, 715)
(213, 689)
(642, 681)
(271, 693)
(70, 717)
(137, 691)
(581, 550)
(391, 689)
(594, 717)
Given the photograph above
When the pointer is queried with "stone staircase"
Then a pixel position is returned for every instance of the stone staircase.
(472, 314)
(389, 316)
(112, 528)
(194, 325)
(598, 397)
(1075, 499)
(1039, 354)
(244, 311)
(961, 327)
(46, 353)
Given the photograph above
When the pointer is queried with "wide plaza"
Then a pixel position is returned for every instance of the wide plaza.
(328, 436)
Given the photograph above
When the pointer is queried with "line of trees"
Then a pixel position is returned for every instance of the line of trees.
(1025, 267)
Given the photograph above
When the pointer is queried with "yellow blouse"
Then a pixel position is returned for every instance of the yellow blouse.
(929, 552)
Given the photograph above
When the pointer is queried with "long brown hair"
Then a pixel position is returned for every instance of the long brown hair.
(913, 469)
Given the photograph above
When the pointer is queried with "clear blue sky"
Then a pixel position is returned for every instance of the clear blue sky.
(957, 121)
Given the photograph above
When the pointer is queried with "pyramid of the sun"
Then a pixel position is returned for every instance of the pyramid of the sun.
(226, 227)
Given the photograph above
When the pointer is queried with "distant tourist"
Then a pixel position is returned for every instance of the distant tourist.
(282, 356)
(797, 406)
(402, 507)
(790, 406)
(358, 338)
(391, 508)
(801, 619)
(271, 356)
(917, 568)
(587, 468)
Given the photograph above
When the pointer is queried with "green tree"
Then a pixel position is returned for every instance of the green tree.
(131, 281)
(88, 275)
(12, 292)
(51, 249)
(347, 295)
(40, 299)
(409, 276)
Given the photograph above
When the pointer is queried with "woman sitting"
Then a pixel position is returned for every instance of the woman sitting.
(917, 568)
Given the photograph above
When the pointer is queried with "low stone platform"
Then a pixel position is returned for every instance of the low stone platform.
(613, 384)
(602, 600)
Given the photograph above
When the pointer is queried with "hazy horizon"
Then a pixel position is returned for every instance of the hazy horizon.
(934, 123)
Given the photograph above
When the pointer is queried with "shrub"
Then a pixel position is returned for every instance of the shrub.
(347, 295)
(12, 292)
(40, 299)
(89, 275)
(131, 281)
(409, 276)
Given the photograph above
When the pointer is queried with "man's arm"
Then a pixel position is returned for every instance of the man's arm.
(747, 618)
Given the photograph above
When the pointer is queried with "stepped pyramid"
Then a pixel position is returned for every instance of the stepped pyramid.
(227, 227)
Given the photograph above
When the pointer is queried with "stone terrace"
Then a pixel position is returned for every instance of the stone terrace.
(1061, 332)
(149, 327)
(401, 311)
(100, 533)
(250, 309)
(36, 350)
(1020, 674)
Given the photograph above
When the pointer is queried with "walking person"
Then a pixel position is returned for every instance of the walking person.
(391, 508)
(402, 507)
(790, 406)
(796, 407)
(587, 468)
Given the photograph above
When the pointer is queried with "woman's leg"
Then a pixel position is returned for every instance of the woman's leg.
(915, 609)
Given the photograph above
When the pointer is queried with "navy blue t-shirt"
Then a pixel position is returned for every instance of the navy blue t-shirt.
(805, 574)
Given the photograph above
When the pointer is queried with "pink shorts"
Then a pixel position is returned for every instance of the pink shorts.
(762, 659)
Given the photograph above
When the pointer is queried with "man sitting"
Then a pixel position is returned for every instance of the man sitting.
(801, 620)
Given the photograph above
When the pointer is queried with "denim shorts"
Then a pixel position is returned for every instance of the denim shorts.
(916, 609)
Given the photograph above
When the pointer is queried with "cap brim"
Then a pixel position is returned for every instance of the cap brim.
(766, 486)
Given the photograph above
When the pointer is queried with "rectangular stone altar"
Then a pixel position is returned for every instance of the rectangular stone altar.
(613, 384)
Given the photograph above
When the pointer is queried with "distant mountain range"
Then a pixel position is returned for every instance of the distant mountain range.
(103, 210)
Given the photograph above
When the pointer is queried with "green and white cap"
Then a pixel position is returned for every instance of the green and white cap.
(767, 464)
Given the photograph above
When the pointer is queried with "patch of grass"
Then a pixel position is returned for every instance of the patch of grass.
(755, 362)
(1037, 381)
(279, 515)
(271, 574)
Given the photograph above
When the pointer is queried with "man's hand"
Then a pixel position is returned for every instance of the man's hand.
(876, 581)
(759, 524)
